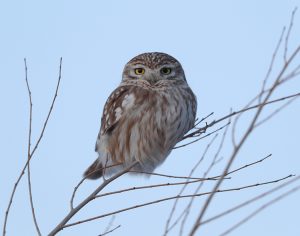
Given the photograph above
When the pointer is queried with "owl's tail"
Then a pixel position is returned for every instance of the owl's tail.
(95, 171)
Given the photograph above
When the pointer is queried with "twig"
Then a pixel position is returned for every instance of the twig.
(247, 165)
(196, 140)
(271, 65)
(110, 223)
(81, 181)
(110, 230)
(32, 152)
(153, 186)
(202, 119)
(172, 176)
(288, 35)
(28, 151)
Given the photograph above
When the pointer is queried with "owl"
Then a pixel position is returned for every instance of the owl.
(144, 117)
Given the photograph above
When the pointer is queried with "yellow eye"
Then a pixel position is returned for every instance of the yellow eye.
(165, 70)
(139, 71)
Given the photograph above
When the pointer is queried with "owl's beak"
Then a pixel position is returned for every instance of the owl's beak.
(152, 79)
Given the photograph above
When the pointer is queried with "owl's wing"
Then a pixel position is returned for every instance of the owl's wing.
(113, 110)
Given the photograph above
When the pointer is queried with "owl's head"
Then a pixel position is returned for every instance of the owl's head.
(153, 67)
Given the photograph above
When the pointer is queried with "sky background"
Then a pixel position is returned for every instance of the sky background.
(225, 49)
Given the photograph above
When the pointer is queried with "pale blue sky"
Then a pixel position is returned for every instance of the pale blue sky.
(224, 47)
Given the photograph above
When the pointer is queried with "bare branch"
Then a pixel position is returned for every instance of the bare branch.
(170, 198)
(245, 136)
(263, 207)
(32, 152)
(256, 198)
(195, 180)
(92, 196)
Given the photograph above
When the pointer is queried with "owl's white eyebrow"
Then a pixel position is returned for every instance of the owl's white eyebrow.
(167, 65)
(138, 65)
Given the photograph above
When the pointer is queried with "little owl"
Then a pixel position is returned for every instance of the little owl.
(145, 116)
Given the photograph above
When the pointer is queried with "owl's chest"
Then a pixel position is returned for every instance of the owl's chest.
(163, 110)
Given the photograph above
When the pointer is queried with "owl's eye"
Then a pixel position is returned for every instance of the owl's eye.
(139, 71)
(165, 70)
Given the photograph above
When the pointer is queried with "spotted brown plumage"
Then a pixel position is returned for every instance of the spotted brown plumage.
(145, 116)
